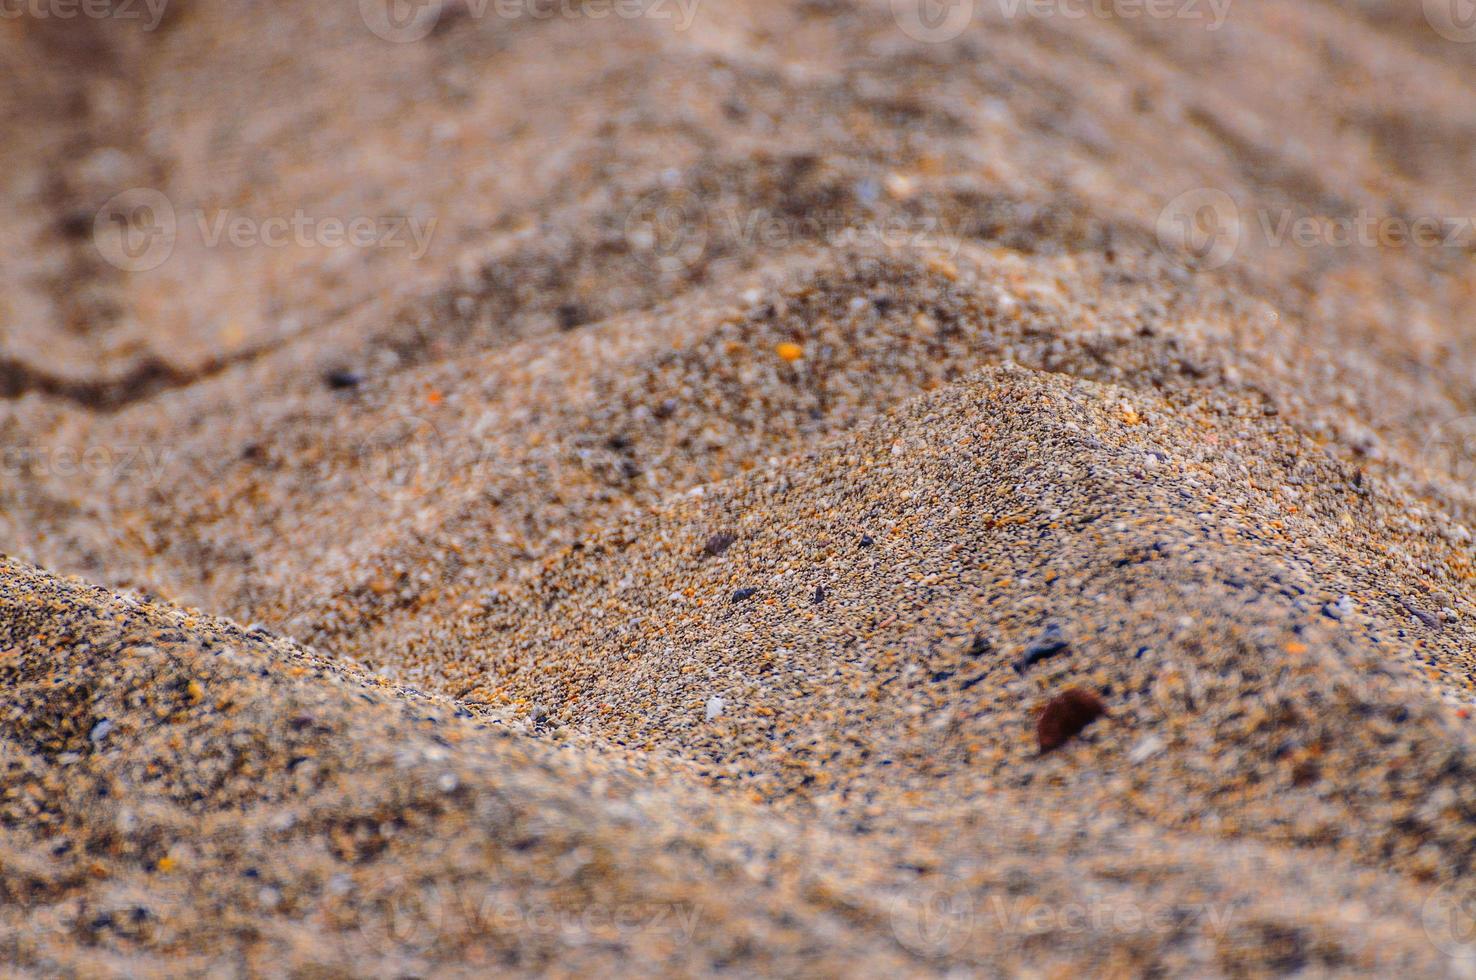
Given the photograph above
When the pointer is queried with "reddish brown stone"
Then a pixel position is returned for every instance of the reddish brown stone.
(1065, 715)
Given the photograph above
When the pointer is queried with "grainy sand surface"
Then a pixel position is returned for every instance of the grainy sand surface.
(654, 551)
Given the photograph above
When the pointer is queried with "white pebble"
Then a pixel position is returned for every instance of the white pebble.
(1145, 750)
(714, 707)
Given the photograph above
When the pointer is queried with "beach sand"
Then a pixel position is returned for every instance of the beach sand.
(652, 545)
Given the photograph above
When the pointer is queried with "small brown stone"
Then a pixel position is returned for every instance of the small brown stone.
(1065, 716)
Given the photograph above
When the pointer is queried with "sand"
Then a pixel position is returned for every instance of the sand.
(652, 549)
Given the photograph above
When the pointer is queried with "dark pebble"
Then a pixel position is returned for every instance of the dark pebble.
(76, 224)
(717, 544)
(819, 595)
(571, 315)
(1429, 619)
(343, 380)
(866, 541)
(1050, 643)
(741, 594)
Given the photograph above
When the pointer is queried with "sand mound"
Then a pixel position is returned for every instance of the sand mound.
(177, 786)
